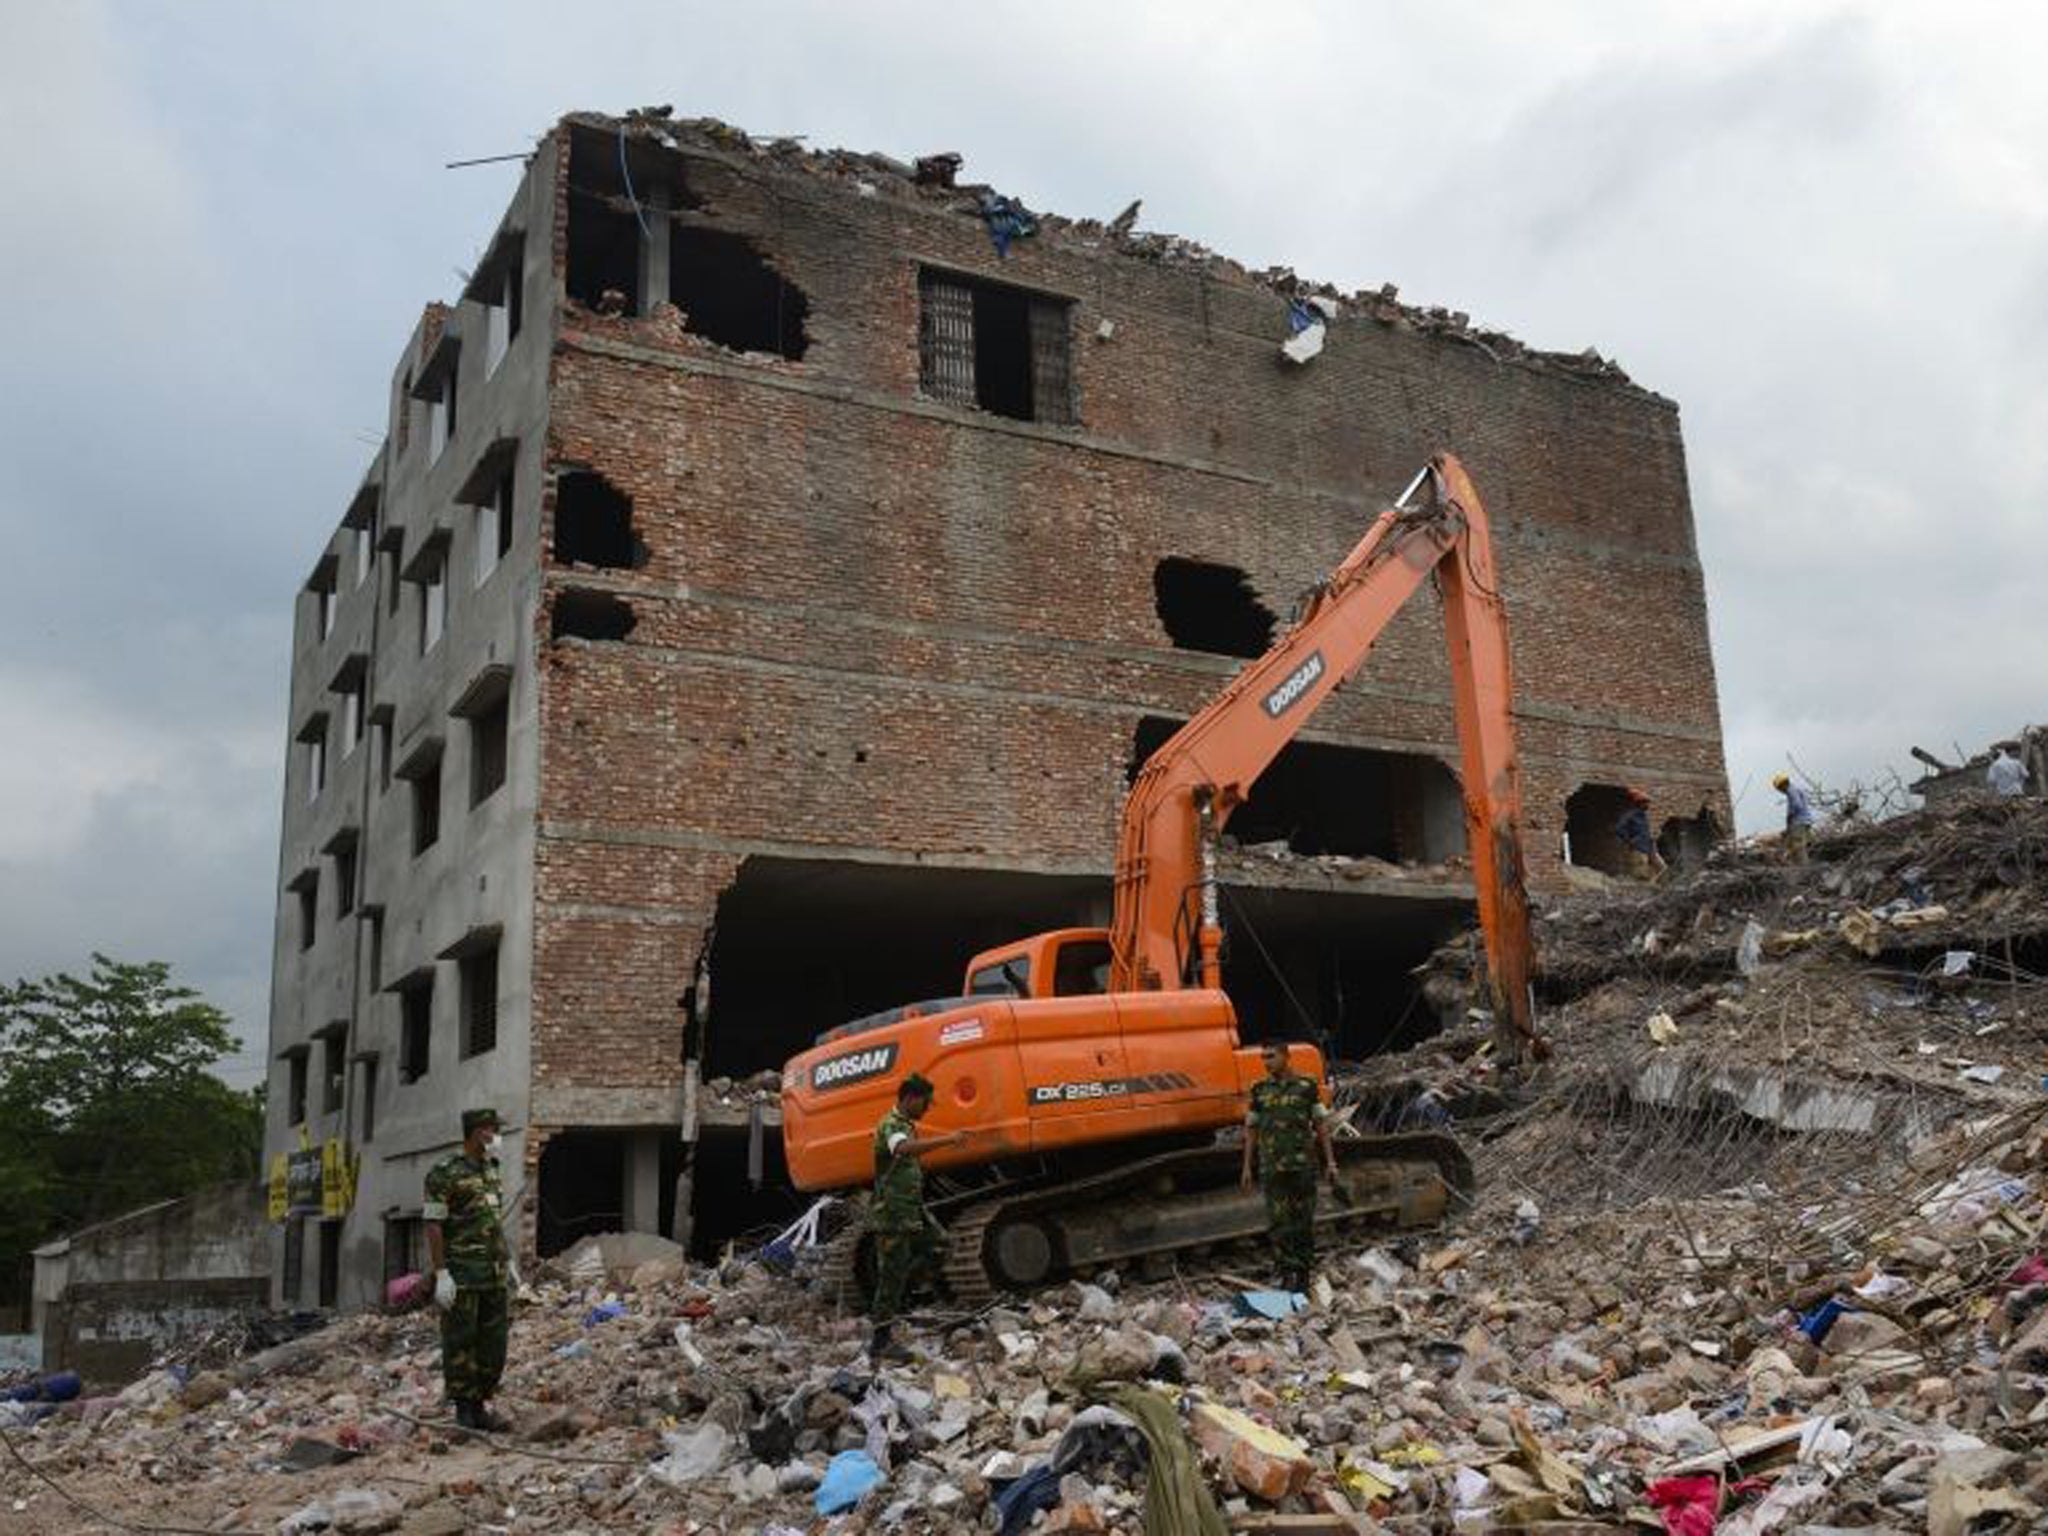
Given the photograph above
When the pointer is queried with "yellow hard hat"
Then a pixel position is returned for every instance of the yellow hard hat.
(1779, 780)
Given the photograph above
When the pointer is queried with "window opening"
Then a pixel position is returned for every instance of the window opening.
(1002, 349)
(333, 1041)
(603, 271)
(441, 413)
(322, 586)
(487, 740)
(433, 584)
(375, 918)
(1007, 978)
(367, 1118)
(295, 1085)
(730, 294)
(313, 737)
(330, 1263)
(1354, 802)
(402, 430)
(345, 875)
(585, 615)
(1591, 839)
(394, 566)
(404, 1244)
(604, 241)
(426, 807)
(1081, 968)
(494, 527)
(366, 546)
(380, 745)
(293, 1280)
(594, 523)
(349, 684)
(480, 1000)
(416, 1028)
(1212, 608)
(306, 887)
(502, 311)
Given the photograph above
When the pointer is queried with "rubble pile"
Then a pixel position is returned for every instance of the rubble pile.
(1760, 1249)
(1882, 989)
(1969, 875)
(1875, 1358)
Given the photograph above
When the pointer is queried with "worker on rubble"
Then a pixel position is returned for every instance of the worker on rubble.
(1644, 862)
(2007, 775)
(906, 1237)
(474, 1275)
(1286, 1118)
(1799, 817)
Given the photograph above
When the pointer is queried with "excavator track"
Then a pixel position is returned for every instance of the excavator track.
(1184, 1201)
(837, 1281)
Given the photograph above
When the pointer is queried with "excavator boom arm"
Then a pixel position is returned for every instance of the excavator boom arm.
(1164, 931)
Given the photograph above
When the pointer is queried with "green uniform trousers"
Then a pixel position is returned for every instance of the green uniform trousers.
(473, 1334)
(1291, 1216)
(902, 1255)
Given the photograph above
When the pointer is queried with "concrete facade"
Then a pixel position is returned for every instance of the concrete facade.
(851, 566)
(108, 1299)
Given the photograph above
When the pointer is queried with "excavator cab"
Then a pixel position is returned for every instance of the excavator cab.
(1067, 962)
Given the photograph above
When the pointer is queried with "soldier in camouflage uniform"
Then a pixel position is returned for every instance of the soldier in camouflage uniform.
(906, 1237)
(1288, 1119)
(473, 1272)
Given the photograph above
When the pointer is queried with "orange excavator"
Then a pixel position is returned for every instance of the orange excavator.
(1091, 1069)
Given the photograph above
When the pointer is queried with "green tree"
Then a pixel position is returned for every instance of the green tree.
(106, 1101)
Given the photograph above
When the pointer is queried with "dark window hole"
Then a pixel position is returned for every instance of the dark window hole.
(580, 615)
(1211, 608)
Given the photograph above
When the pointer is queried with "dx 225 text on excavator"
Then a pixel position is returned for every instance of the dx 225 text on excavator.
(1092, 1069)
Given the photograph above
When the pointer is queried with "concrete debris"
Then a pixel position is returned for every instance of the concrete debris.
(1783, 1272)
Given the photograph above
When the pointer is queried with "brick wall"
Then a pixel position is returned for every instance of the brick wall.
(872, 622)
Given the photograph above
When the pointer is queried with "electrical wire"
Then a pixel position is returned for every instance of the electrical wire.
(626, 175)
(1273, 965)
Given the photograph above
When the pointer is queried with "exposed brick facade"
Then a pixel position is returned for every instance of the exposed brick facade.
(837, 563)
(874, 625)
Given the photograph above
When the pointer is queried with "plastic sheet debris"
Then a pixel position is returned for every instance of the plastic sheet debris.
(1662, 1028)
(1308, 326)
(57, 1387)
(604, 1312)
(1749, 949)
(697, 1453)
(1689, 1506)
(1271, 1304)
(1007, 219)
(848, 1477)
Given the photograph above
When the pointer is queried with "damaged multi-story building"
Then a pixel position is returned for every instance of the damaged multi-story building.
(777, 565)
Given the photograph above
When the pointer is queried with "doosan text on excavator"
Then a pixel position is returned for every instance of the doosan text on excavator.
(1092, 1069)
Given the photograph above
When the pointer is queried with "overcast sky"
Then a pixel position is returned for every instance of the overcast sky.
(1823, 230)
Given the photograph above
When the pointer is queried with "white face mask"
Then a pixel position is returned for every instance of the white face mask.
(492, 1143)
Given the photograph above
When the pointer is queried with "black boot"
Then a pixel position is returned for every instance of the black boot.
(465, 1413)
(882, 1345)
(482, 1418)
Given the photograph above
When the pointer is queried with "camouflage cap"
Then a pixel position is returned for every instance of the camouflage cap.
(917, 1085)
(472, 1118)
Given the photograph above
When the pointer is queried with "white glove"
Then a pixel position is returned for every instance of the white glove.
(444, 1289)
(516, 1285)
